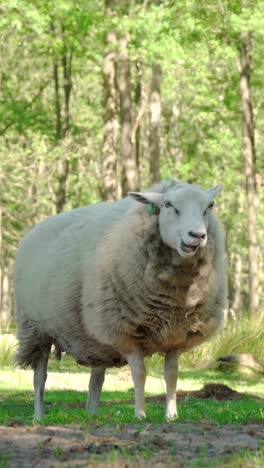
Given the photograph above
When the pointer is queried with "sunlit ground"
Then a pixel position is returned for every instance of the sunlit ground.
(21, 380)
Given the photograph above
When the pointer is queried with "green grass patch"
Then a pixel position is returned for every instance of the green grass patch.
(190, 409)
(247, 458)
(66, 405)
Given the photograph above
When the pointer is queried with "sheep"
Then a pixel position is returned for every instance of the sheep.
(114, 282)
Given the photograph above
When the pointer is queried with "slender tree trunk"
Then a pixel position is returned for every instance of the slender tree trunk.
(6, 312)
(237, 303)
(155, 113)
(109, 191)
(141, 102)
(249, 151)
(1, 266)
(57, 98)
(67, 84)
(34, 192)
(139, 108)
(175, 128)
(56, 81)
(62, 175)
(130, 180)
(62, 130)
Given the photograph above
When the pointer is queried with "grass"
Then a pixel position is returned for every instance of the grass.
(67, 392)
(64, 391)
(247, 459)
(4, 459)
(68, 383)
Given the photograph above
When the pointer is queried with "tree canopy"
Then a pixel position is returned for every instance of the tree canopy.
(98, 97)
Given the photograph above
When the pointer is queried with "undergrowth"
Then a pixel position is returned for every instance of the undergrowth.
(243, 336)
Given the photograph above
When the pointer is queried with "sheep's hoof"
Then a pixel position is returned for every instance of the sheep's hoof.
(140, 415)
(171, 416)
(37, 420)
(91, 410)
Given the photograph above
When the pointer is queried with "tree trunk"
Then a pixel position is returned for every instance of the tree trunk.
(109, 191)
(129, 167)
(33, 192)
(176, 147)
(57, 98)
(249, 151)
(155, 113)
(67, 84)
(62, 164)
(56, 81)
(237, 303)
(140, 112)
(62, 175)
(6, 312)
(1, 266)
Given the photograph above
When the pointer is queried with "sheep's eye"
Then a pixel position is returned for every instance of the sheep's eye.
(209, 208)
(168, 204)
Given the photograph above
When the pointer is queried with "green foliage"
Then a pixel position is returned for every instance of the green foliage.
(197, 45)
(243, 336)
(247, 458)
(7, 350)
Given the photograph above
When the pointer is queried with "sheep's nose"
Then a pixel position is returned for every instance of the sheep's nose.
(197, 234)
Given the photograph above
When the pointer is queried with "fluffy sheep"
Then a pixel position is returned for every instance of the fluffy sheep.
(114, 282)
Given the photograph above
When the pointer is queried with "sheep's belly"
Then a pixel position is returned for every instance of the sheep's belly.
(88, 352)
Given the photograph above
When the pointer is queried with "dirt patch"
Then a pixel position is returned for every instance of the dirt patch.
(129, 445)
(176, 444)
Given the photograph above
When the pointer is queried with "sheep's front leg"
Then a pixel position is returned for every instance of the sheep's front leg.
(171, 376)
(138, 370)
(95, 388)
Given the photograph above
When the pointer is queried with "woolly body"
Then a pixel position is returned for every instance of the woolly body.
(100, 283)
(144, 294)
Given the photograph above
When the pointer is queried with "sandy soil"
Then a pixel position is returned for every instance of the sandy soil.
(176, 444)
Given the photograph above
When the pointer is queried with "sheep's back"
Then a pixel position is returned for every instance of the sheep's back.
(48, 264)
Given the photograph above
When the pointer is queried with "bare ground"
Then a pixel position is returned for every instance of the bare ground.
(202, 443)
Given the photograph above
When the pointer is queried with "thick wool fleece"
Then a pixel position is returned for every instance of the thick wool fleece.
(98, 282)
(146, 296)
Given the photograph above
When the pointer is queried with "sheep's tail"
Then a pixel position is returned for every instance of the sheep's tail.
(57, 351)
(32, 343)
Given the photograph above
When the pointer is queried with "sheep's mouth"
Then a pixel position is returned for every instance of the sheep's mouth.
(188, 248)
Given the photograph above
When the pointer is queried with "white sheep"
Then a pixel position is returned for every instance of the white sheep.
(114, 282)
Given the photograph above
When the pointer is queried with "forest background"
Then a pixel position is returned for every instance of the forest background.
(102, 97)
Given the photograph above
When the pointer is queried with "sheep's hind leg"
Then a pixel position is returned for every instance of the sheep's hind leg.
(95, 388)
(40, 377)
(171, 376)
(138, 370)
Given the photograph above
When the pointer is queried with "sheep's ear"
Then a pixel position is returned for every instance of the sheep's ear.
(214, 191)
(148, 197)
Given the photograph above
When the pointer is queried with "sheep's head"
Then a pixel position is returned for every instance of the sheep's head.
(184, 215)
